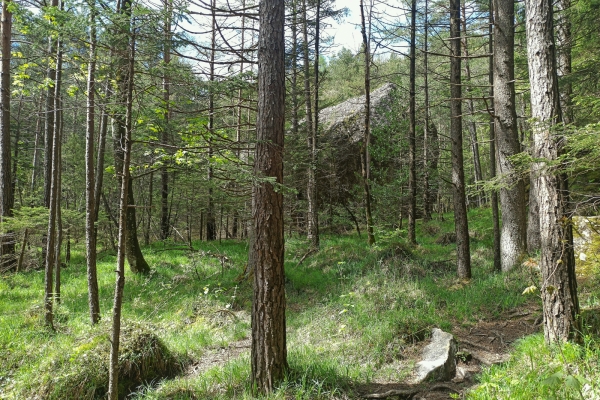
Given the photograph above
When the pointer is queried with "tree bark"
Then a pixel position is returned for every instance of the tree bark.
(90, 211)
(7, 246)
(312, 230)
(166, 88)
(426, 139)
(478, 175)
(364, 148)
(412, 143)
(494, 193)
(211, 224)
(559, 284)
(135, 258)
(124, 202)
(513, 237)
(269, 353)
(458, 173)
(563, 58)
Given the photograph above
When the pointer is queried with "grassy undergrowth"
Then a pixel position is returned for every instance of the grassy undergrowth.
(352, 311)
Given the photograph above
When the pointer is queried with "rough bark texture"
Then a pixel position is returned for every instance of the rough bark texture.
(166, 88)
(90, 212)
(211, 224)
(412, 145)
(461, 226)
(113, 370)
(513, 238)
(269, 353)
(494, 194)
(557, 263)
(563, 57)
(7, 247)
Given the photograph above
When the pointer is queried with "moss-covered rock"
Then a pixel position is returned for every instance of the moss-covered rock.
(83, 373)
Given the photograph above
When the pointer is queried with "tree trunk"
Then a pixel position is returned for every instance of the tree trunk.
(211, 224)
(7, 246)
(563, 58)
(90, 211)
(166, 88)
(313, 144)
(458, 173)
(49, 123)
(494, 193)
(513, 238)
(426, 139)
(135, 258)
(311, 189)
(412, 144)
(124, 202)
(478, 175)
(269, 353)
(364, 148)
(559, 285)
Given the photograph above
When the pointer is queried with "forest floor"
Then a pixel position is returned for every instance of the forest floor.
(357, 316)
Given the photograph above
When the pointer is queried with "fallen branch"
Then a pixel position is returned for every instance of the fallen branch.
(305, 256)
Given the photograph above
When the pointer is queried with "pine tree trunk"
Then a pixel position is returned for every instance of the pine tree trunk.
(494, 193)
(513, 238)
(269, 353)
(563, 58)
(559, 285)
(211, 224)
(412, 143)
(90, 211)
(7, 246)
(426, 138)
(113, 379)
(458, 173)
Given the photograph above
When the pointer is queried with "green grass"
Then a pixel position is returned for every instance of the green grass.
(352, 310)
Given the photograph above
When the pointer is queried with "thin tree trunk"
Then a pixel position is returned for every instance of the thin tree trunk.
(7, 247)
(211, 224)
(49, 123)
(90, 211)
(463, 253)
(269, 350)
(313, 144)
(563, 58)
(412, 143)
(311, 188)
(164, 174)
(58, 131)
(478, 175)
(364, 148)
(149, 210)
(113, 380)
(559, 284)
(494, 193)
(513, 238)
(426, 189)
(35, 163)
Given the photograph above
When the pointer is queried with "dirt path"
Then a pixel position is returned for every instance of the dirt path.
(486, 343)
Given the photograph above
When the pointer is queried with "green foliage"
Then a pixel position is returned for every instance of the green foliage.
(541, 371)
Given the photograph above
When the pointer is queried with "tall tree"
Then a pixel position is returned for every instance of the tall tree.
(426, 139)
(472, 127)
(269, 352)
(211, 224)
(563, 58)
(364, 147)
(494, 193)
(166, 89)
(90, 212)
(311, 190)
(412, 146)
(135, 258)
(559, 284)
(7, 247)
(463, 253)
(513, 238)
(127, 52)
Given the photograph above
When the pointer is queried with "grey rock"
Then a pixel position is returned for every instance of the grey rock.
(439, 358)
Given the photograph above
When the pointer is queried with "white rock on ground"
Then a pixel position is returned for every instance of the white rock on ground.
(439, 358)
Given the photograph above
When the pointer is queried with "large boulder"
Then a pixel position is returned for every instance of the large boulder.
(439, 358)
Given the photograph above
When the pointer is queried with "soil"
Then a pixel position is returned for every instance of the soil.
(487, 342)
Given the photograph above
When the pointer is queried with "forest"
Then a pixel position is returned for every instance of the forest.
(210, 199)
